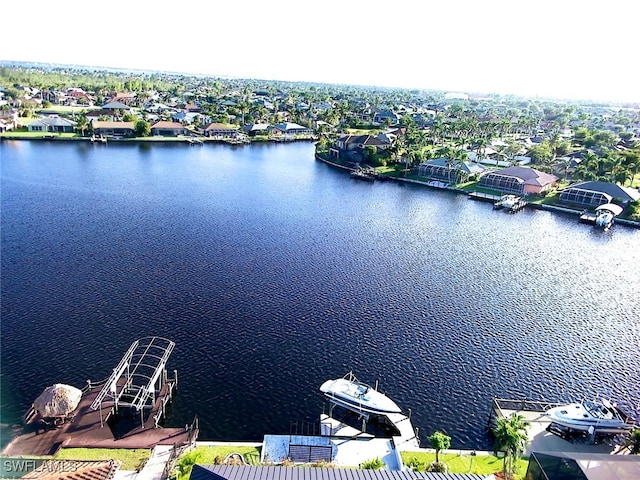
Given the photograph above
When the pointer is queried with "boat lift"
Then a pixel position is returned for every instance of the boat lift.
(140, 374)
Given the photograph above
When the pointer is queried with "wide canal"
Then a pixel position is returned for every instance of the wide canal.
(274, 272)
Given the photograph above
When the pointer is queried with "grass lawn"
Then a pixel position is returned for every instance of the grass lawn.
(207, 455)
(30, 135)
(131, 459)
(478, 464)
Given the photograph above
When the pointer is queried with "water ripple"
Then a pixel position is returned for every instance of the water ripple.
(273, 272)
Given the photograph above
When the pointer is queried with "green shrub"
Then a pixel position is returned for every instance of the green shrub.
(373, 464)
(437, 467)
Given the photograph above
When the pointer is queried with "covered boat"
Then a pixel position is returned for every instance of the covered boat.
(590, 416)
(358, 397)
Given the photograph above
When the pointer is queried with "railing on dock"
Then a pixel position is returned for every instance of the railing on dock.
(179, 448)
(304, 428)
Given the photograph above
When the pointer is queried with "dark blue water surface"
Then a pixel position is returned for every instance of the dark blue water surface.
(273, 272)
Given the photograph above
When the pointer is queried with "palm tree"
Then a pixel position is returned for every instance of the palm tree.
(510, 438)
(82, 124)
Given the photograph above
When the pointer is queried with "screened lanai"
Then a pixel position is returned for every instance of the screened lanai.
(587, 198)
(503, 183)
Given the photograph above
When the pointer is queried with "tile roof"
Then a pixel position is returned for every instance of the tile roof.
(105, 124)
(166, 124)
(75, 470)
(530, 176)
(220, 126)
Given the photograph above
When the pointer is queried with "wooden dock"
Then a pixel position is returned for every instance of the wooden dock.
(485, 197)
(588, 217)
(87, 428)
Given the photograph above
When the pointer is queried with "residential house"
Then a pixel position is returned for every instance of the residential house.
(111, 115)
(9, 119)
(117, 106)
(52, 123)
(184, 117)
(595, 193)
(77, 96)
(351, 147)
(168, 129)
(519, 180)
(221, 131)
(6, 125)
(113, 129)
(126, 98)
(450, 172)
(289, 129)
(257, 129)
(386, 116)
(352, 142)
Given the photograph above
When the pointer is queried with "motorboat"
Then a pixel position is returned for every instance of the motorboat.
(507, 201)
(605, 215)
(358, 397)
(590, 416)
(604, 219)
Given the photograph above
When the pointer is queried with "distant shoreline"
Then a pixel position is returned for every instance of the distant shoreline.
(152, 139)
(537, 206)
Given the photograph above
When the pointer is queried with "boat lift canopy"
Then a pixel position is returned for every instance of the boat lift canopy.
(133, 382)
(611, 207)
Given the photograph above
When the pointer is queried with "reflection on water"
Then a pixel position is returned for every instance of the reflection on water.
(273, 272)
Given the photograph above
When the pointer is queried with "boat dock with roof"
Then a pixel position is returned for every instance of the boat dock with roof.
(123, 411)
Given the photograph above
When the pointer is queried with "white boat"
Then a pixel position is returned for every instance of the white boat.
(605, 215)
(358, 397)
(604, 219)
(590, 416)
(507, 201)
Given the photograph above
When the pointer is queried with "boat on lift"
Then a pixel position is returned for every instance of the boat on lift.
(507, 202)
(590, 416)
(358, 397)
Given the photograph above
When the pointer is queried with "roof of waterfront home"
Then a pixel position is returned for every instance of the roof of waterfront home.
(285, 127)
(166, 124)
(611, 189)
(54, 121)
(107, 124)
(228, 472)
(530, 176)
(221, 126)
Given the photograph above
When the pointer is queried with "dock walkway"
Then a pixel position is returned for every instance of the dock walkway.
(85, 430)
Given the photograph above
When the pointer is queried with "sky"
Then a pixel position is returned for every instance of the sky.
(564, 49)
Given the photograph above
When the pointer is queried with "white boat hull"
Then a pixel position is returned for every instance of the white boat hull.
(589, 417)
(358, 397)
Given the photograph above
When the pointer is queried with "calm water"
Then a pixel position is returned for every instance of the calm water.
(273, 272)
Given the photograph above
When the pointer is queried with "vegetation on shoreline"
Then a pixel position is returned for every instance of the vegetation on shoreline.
(132, 459)
(462, 463)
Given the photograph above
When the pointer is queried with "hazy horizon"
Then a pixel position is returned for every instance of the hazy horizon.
(558, 50)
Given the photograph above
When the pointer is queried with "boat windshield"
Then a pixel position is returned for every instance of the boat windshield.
(597, 410)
